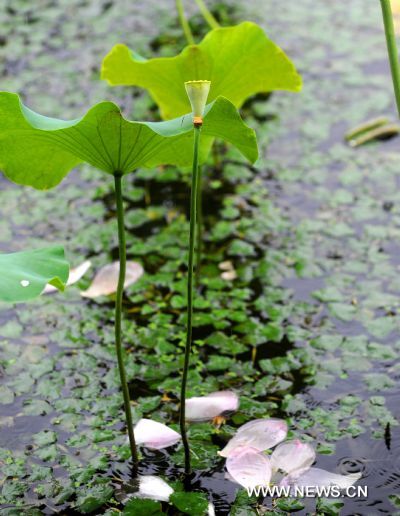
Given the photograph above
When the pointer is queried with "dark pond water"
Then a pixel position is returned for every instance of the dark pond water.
(323, 224)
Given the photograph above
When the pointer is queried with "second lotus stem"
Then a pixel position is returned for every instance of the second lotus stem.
(184, 22)
(118, 318)
(189, 323)
(392, 48)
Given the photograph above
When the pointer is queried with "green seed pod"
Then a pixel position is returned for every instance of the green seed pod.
(197, 92)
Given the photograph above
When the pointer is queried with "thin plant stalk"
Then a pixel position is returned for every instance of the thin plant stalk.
(184, 23)
(192, 234)
(199, 223)
(212, 22)
(118, 318)
(392, 48)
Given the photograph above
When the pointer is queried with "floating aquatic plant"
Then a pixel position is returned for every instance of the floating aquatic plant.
(39, 151)
(25, 274)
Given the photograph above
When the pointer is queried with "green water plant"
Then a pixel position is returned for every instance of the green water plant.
(39, 151)
(24, 275)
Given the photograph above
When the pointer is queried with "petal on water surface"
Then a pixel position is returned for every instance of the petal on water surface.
(260, 434)
(249, 467)
(292, 455)
(154, 488)
(204, 408)
(315, 477)
(155, 435)
(106, 279)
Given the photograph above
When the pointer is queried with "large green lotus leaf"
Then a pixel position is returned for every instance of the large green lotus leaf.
(239, 61)
(39, 151)
(24, 275)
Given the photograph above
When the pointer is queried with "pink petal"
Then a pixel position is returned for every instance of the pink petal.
(204, 408)
(315, 477)
(74, 276)
(106, 280)
(292, 455)
(249, 467)
(260, 434)
(155, 435)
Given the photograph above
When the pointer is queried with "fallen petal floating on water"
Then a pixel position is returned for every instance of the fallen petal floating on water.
(154, 488)
(106, 280)
(249, 467)
(74, 276)
(145, 486)
(229, 275)
(155, 435)
(204, 408)
(315, 477)
(291, 456)
(260, 434)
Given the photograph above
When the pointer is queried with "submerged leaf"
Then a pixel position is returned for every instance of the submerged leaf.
(239, 61)
(24, 275)
(74, 276)
(203, 408)
(260, 434)
(315, 477)
(154, 435)
(40, 151)
(292, 455)
(106, 280)
(249, 467)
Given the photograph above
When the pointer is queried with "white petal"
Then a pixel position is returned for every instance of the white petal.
(203, 408)
(260, 434)
(155, 435)
(106, 280)
(249, 467)
(229, 275)
(292, 455)
(154, 488)
(74, 276)
(315, 477)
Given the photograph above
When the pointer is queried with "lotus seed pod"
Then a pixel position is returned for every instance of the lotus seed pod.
(197, 92)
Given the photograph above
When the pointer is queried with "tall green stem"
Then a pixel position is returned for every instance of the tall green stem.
(118, 317)
(392, 48)
(212, 22)
(199, 219)
(192, 233)
(184, 23)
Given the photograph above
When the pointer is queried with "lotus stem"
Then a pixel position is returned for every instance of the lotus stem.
(199, 238)
(184, 23)
(118, 317)
(392, 48)
(212, 22)
(189, 323)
